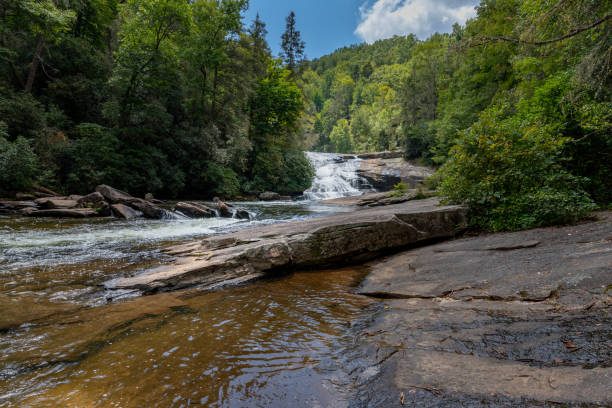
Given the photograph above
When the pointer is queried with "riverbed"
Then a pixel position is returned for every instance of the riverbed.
(66, 341)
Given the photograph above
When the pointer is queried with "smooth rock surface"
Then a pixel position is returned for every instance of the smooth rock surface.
(512, 320)
(113, 195)
(331, 240)
(527, 265)
(148, 209)
(56, 203)
(195, 210)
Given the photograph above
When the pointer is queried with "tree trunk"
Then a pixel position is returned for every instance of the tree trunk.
(40, 44)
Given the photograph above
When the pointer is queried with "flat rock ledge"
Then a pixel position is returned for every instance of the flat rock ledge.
(338, 239)
(502, 320)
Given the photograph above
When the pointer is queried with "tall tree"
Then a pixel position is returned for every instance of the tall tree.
(292, 46)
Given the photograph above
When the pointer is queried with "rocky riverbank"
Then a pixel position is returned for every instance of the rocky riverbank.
(107, 201)
(516, 319)
(326, 241)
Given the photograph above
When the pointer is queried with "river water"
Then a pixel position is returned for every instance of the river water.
(67, 342)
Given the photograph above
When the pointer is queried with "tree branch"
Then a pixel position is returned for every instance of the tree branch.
(574, 32)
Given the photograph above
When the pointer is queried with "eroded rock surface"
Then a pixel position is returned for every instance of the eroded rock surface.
(384, 173)
(513, 320)
(332, 240)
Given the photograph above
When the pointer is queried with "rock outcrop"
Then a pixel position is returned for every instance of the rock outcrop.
(513, 319)
(383, 173)
(223, 208)
(195, 210)
(125, 212)
(115, 196)
(242, 214)
(332, 240)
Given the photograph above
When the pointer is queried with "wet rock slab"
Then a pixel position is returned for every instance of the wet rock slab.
(513, 320)
(333, 240)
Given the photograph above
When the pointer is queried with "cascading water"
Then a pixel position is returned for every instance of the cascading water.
(335, 177)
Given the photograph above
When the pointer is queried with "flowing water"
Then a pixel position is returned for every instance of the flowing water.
(336, 176)
(67, 342)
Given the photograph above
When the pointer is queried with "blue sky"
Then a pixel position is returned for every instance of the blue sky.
(330, 24)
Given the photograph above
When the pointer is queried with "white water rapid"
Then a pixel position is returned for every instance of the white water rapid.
(335, 177)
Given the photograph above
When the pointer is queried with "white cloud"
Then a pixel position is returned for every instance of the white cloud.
(386, 18)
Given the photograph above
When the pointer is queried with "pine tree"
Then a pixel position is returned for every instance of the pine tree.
(292, 46)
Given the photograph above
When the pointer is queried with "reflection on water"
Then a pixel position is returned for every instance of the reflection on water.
(273, 343)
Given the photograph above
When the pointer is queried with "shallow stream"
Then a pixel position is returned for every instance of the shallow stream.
(65, 341)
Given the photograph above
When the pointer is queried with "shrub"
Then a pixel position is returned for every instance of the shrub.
(398, 190)
(508, 169)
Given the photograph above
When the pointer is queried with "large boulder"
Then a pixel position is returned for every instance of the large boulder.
(195, 210)
(113, 195)
(384, 173)
(242, 214)
(55, 203)
(125, 212)
(91, 200)
(269, 196)
(148, 209)
(223, 209)
(96, 202)
(63, 213)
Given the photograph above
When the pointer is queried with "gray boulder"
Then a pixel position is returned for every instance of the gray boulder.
(96, 202)
(125, 212)
(242, 214)
(223, 209)
(113, 195)
(195, 210)
(148, 209)
(92, 199)
(55, 203)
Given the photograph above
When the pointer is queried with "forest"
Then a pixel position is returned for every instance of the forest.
(184, 99)
(514, 108)
(170, 97)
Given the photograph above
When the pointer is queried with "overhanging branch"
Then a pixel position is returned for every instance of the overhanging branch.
(485, 40)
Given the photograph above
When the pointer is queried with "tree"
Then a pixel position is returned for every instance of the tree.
(341, 138)
(292, 46)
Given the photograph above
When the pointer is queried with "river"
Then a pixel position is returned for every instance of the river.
(66, 341)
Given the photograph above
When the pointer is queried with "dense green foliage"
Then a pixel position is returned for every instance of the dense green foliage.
(515, 106)
(162, 96)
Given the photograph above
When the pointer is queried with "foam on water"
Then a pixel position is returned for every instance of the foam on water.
(335, 176)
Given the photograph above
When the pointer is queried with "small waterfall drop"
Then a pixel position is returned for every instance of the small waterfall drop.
(335, 176)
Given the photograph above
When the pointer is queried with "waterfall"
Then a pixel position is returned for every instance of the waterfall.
(336, 176)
